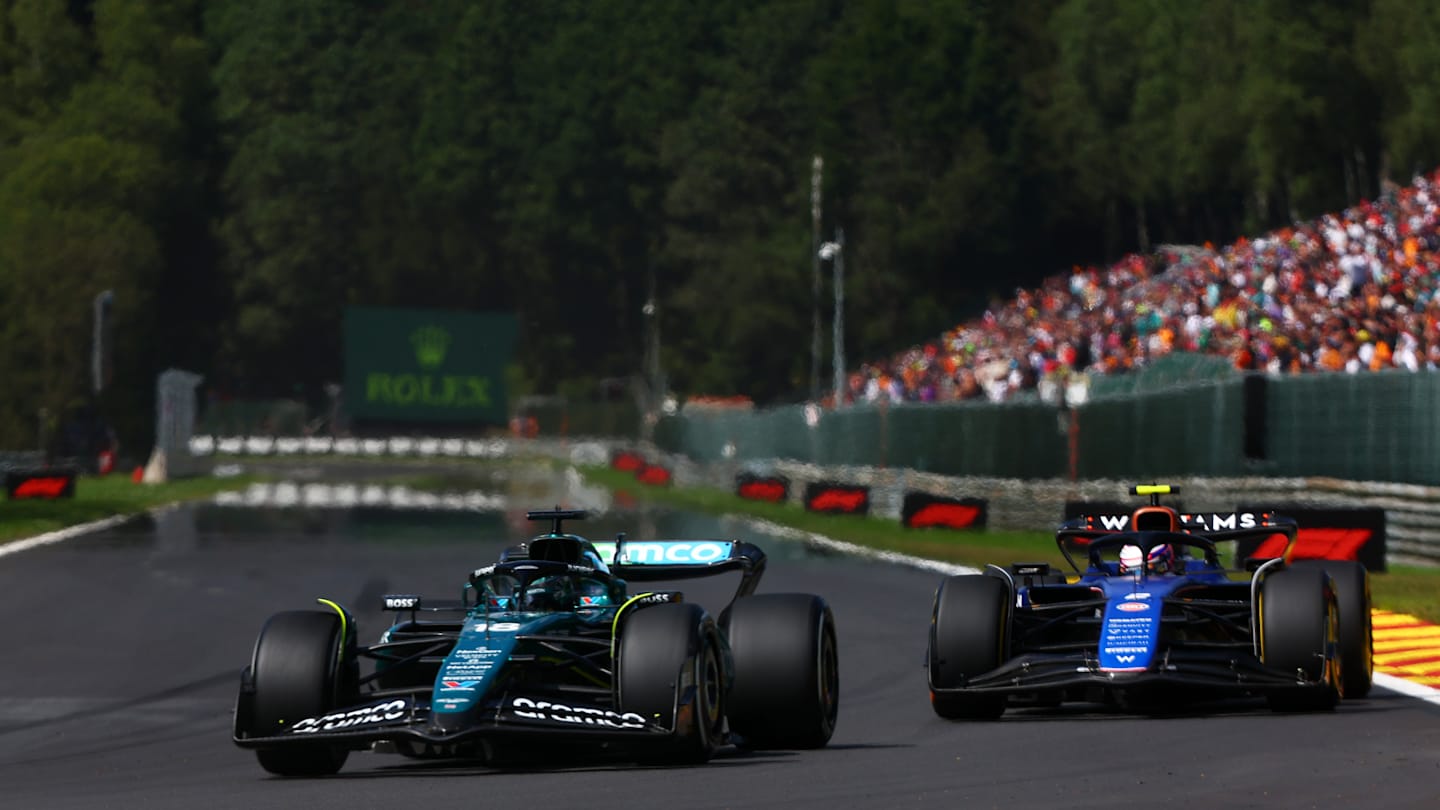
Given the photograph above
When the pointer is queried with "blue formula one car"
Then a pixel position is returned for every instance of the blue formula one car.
(550, 646)
(1152, 619)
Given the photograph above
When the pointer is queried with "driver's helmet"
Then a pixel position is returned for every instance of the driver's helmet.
(548, 594)
(1161, 559)
(1131, 558)
(592, 593)
(499, 592)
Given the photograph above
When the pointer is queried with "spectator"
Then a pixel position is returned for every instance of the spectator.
(1352, 291)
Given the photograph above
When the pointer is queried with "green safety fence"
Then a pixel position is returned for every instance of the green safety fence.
(1366, 427)
(1194, 429)
(1019, 440)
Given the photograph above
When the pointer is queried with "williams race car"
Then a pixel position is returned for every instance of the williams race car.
(1152, 619)
(548, 644)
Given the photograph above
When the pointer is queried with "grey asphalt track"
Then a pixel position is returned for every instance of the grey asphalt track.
(122, 652)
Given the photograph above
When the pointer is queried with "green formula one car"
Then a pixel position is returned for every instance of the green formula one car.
(550, 644)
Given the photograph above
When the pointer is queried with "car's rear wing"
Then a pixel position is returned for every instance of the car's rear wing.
(1215, 527)
(653, 560)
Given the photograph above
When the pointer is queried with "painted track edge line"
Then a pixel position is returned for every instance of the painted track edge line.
(1391, 682)
(830, 543)
(1419, 691)
(17, 546)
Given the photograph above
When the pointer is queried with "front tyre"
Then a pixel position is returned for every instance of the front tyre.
(298, 672)
(969, 630)
(1357, 635)
(1299, 633)
(670, 672)
(787, 671)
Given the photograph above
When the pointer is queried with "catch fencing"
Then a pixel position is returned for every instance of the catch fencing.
(1358, 427)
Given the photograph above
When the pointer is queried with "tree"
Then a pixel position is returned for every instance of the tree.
(93, 171)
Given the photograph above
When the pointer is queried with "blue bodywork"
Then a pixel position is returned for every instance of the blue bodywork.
(1117, 626)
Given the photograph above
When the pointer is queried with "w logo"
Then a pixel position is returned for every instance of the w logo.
(1125, 659)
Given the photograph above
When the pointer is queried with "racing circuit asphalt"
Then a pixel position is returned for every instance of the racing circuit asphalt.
(124, 647)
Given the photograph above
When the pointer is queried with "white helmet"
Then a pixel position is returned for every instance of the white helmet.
(1132, 558)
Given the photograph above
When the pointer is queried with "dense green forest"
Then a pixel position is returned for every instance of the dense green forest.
(238, 171)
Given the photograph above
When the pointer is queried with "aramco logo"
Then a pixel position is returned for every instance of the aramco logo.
(430, 343)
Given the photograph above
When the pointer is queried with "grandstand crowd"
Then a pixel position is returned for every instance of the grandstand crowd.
(1348, 292)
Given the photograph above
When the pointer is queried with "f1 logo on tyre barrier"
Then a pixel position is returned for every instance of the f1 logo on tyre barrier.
(771, 488)
(653, 475)
(838, 499)
(627, 461)
(1325, 534)
(47, 483)
(921, 510)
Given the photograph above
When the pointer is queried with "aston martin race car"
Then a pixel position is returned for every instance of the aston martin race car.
(1152, 617)
(549, 645)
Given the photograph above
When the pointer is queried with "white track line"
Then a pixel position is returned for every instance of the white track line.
(1419, 691)
(17, 546)
(760, 524)
(1391, 682)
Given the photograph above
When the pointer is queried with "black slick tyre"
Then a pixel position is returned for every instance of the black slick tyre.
(670, 672)
(1357, 635)
(969, 632)
(1299, 624)
(787, 673)
(298, 673)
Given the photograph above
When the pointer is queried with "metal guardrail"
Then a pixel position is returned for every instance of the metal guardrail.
(1412, 511)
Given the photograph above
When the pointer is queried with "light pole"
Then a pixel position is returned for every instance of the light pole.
(654, 384)
(817, 167)
(834, 252)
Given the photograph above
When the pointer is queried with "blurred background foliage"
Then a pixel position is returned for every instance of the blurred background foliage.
(239, 171)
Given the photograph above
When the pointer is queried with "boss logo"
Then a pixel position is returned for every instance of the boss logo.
(402, 602)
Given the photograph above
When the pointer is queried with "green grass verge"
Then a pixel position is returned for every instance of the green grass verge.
(101, 497)
(1403, 589)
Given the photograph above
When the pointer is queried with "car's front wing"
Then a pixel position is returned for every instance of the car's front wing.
(408, 718)
(1214, 670)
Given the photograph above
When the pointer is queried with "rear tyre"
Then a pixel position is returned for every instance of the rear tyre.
(298, 673)
(1357, 636)
(787, 671)
(1299, 626)
(670, 672)
(969, 631)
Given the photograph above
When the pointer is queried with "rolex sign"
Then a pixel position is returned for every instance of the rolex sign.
(427, 365)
